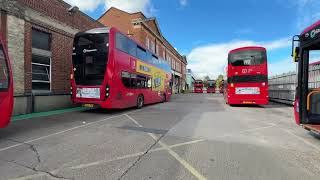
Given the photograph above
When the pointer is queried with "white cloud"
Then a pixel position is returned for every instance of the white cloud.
(130, 5)
(282, 66)
(125, 5)
(87, 5)
(183, 2)
(212, 59)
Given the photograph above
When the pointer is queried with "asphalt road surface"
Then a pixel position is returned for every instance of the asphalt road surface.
(195, 136)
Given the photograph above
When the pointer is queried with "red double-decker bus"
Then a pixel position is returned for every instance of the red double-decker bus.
(198, 86)
(112, 71)
(247, 76)
(307, 106)
(6, 86)
(211, 86)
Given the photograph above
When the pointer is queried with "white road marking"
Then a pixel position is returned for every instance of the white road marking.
(183, 162)
(62, 132)
(81, 166)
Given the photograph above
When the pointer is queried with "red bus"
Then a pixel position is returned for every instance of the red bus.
(112, 71)
(198, 86)
(211, 88)
(307, 106)
(247, 76)
(6, 86)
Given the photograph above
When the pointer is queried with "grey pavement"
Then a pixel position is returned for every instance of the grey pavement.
(194, 136)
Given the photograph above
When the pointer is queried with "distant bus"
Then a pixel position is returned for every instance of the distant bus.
(6, 86)
(112, 71)
(247, 76)
(198, 86)
(211, 88)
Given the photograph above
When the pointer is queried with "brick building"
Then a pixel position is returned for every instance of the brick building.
(40, 40)
(147, 32)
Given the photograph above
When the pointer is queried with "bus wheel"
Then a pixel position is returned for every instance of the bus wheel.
(140, 102)
(164, 98)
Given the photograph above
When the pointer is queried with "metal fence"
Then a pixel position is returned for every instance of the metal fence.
(282, 88)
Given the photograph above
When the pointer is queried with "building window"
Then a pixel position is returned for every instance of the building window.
(41, 61)
(152, 47)
(164, 54)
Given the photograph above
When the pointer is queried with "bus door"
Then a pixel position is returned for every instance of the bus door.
(307, 105)
(6, 87)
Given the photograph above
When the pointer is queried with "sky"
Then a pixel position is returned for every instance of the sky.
(205, 30)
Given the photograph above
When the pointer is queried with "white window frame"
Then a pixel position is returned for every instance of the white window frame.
(47, 54)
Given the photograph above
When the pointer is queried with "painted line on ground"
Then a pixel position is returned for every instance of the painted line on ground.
(48, 113)
(62, 132)
(301, 139)
(81, 166)
(183, 162)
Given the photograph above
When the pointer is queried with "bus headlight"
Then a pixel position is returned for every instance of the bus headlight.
(263, 84)
(232, 85)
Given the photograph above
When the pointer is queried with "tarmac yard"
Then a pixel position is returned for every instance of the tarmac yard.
(194, 136)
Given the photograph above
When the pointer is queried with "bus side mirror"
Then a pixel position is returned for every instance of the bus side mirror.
(296, 53)
(295, 48)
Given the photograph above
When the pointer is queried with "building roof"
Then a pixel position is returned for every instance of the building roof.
(148, 22)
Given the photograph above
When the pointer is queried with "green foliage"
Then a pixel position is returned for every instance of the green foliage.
(219, 80)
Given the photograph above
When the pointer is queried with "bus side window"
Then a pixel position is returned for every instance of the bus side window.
(141, 53)
(149, 82)
(126, 80)
(142, 82)
(122, 42)
(132, 48)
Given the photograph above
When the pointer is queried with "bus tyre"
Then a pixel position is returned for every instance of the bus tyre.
(140, 102)
(164, 98)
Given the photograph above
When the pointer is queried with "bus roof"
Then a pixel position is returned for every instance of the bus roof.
(311, 27)
(248, 48)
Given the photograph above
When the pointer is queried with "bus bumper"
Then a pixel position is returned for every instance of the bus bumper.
(248, 101)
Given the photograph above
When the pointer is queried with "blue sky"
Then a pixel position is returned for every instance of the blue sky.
(206, 30)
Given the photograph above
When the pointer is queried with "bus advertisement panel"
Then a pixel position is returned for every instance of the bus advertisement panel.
(112, 71)
(6, 86)
(247, 76)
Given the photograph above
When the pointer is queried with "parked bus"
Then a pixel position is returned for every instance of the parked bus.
(6, 86)
(198, 86)
(112, 71)
(247, 76)
(307, 100)
(211, 86)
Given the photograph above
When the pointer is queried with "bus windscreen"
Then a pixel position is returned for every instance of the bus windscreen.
(90, 57)
(247, 58)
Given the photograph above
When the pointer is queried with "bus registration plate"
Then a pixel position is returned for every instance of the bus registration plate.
(248, 90)
(88, 93)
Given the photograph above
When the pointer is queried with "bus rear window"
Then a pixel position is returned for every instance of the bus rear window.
(4, 75)
(247, 58)
(90, 57)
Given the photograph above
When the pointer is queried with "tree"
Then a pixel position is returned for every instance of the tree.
(205, 81)
(219, 80)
